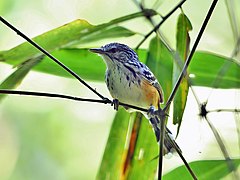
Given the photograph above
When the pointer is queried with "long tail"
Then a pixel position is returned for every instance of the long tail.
(169, 143)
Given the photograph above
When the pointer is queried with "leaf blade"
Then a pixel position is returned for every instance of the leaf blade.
(17, 76)
(205, 67)
(205, 169)
(142, 165)
(114, 153)
(64, 36)
(183, 41)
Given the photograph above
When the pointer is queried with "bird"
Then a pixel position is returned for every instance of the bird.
(131, 82)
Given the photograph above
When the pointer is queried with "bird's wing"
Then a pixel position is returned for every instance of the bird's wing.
(140, 69)
(147, 74)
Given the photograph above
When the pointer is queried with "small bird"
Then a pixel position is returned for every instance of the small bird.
(132, 82)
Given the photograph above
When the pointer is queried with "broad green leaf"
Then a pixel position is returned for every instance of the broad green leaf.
(87, 65)
(204, 170)
(66, 36)
(142, 165)
(182, 36)
(51, 40)
(183, 41)
(109, 33)
(115, 150)
(205, 67)
(17, 54)
(17, 76)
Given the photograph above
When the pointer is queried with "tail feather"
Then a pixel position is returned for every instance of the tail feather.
(169, 143)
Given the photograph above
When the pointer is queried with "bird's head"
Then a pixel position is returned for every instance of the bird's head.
(116, 53)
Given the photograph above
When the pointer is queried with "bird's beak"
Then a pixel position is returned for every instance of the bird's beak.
(97, 50)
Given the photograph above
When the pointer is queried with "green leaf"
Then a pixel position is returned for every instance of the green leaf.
(115, 150)
(205, 170)
(51, 40)
(86, 64)
(109, 33)
(205, 67)
(68, 35)
(182, 36)
(142, 164)
(16, 77)
(160, 61)
(183, 41)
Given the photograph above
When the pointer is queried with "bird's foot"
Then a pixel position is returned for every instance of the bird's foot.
(115, 104)
(151, 112)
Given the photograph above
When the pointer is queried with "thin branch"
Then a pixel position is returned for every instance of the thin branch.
(184, 161)
(164, 18)
(237, 122)
(187, 62)
(231, 166)
(51, 57)
(180, 64)
(225, 110)
(233, 17)
(52, 95)
(141, 6)
(162, 116)
(189, 58)
(62, 96)
(133, 107)
(236, 49)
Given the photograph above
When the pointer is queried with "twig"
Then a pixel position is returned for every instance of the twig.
(189, 58)
(162, 117)
(52, 95)
(52, 57)
(164, 18)
(225, 110)
(184, 161)
(62, 96)
(187, 62)
(231, 166)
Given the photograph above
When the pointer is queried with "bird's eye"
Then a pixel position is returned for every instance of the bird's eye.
(113, 50)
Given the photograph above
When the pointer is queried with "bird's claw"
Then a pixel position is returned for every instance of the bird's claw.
(151, 112)
(115, 104)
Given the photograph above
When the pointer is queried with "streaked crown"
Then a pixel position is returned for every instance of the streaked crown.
(118, 52)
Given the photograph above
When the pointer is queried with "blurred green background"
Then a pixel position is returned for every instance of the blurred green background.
(43, 138)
